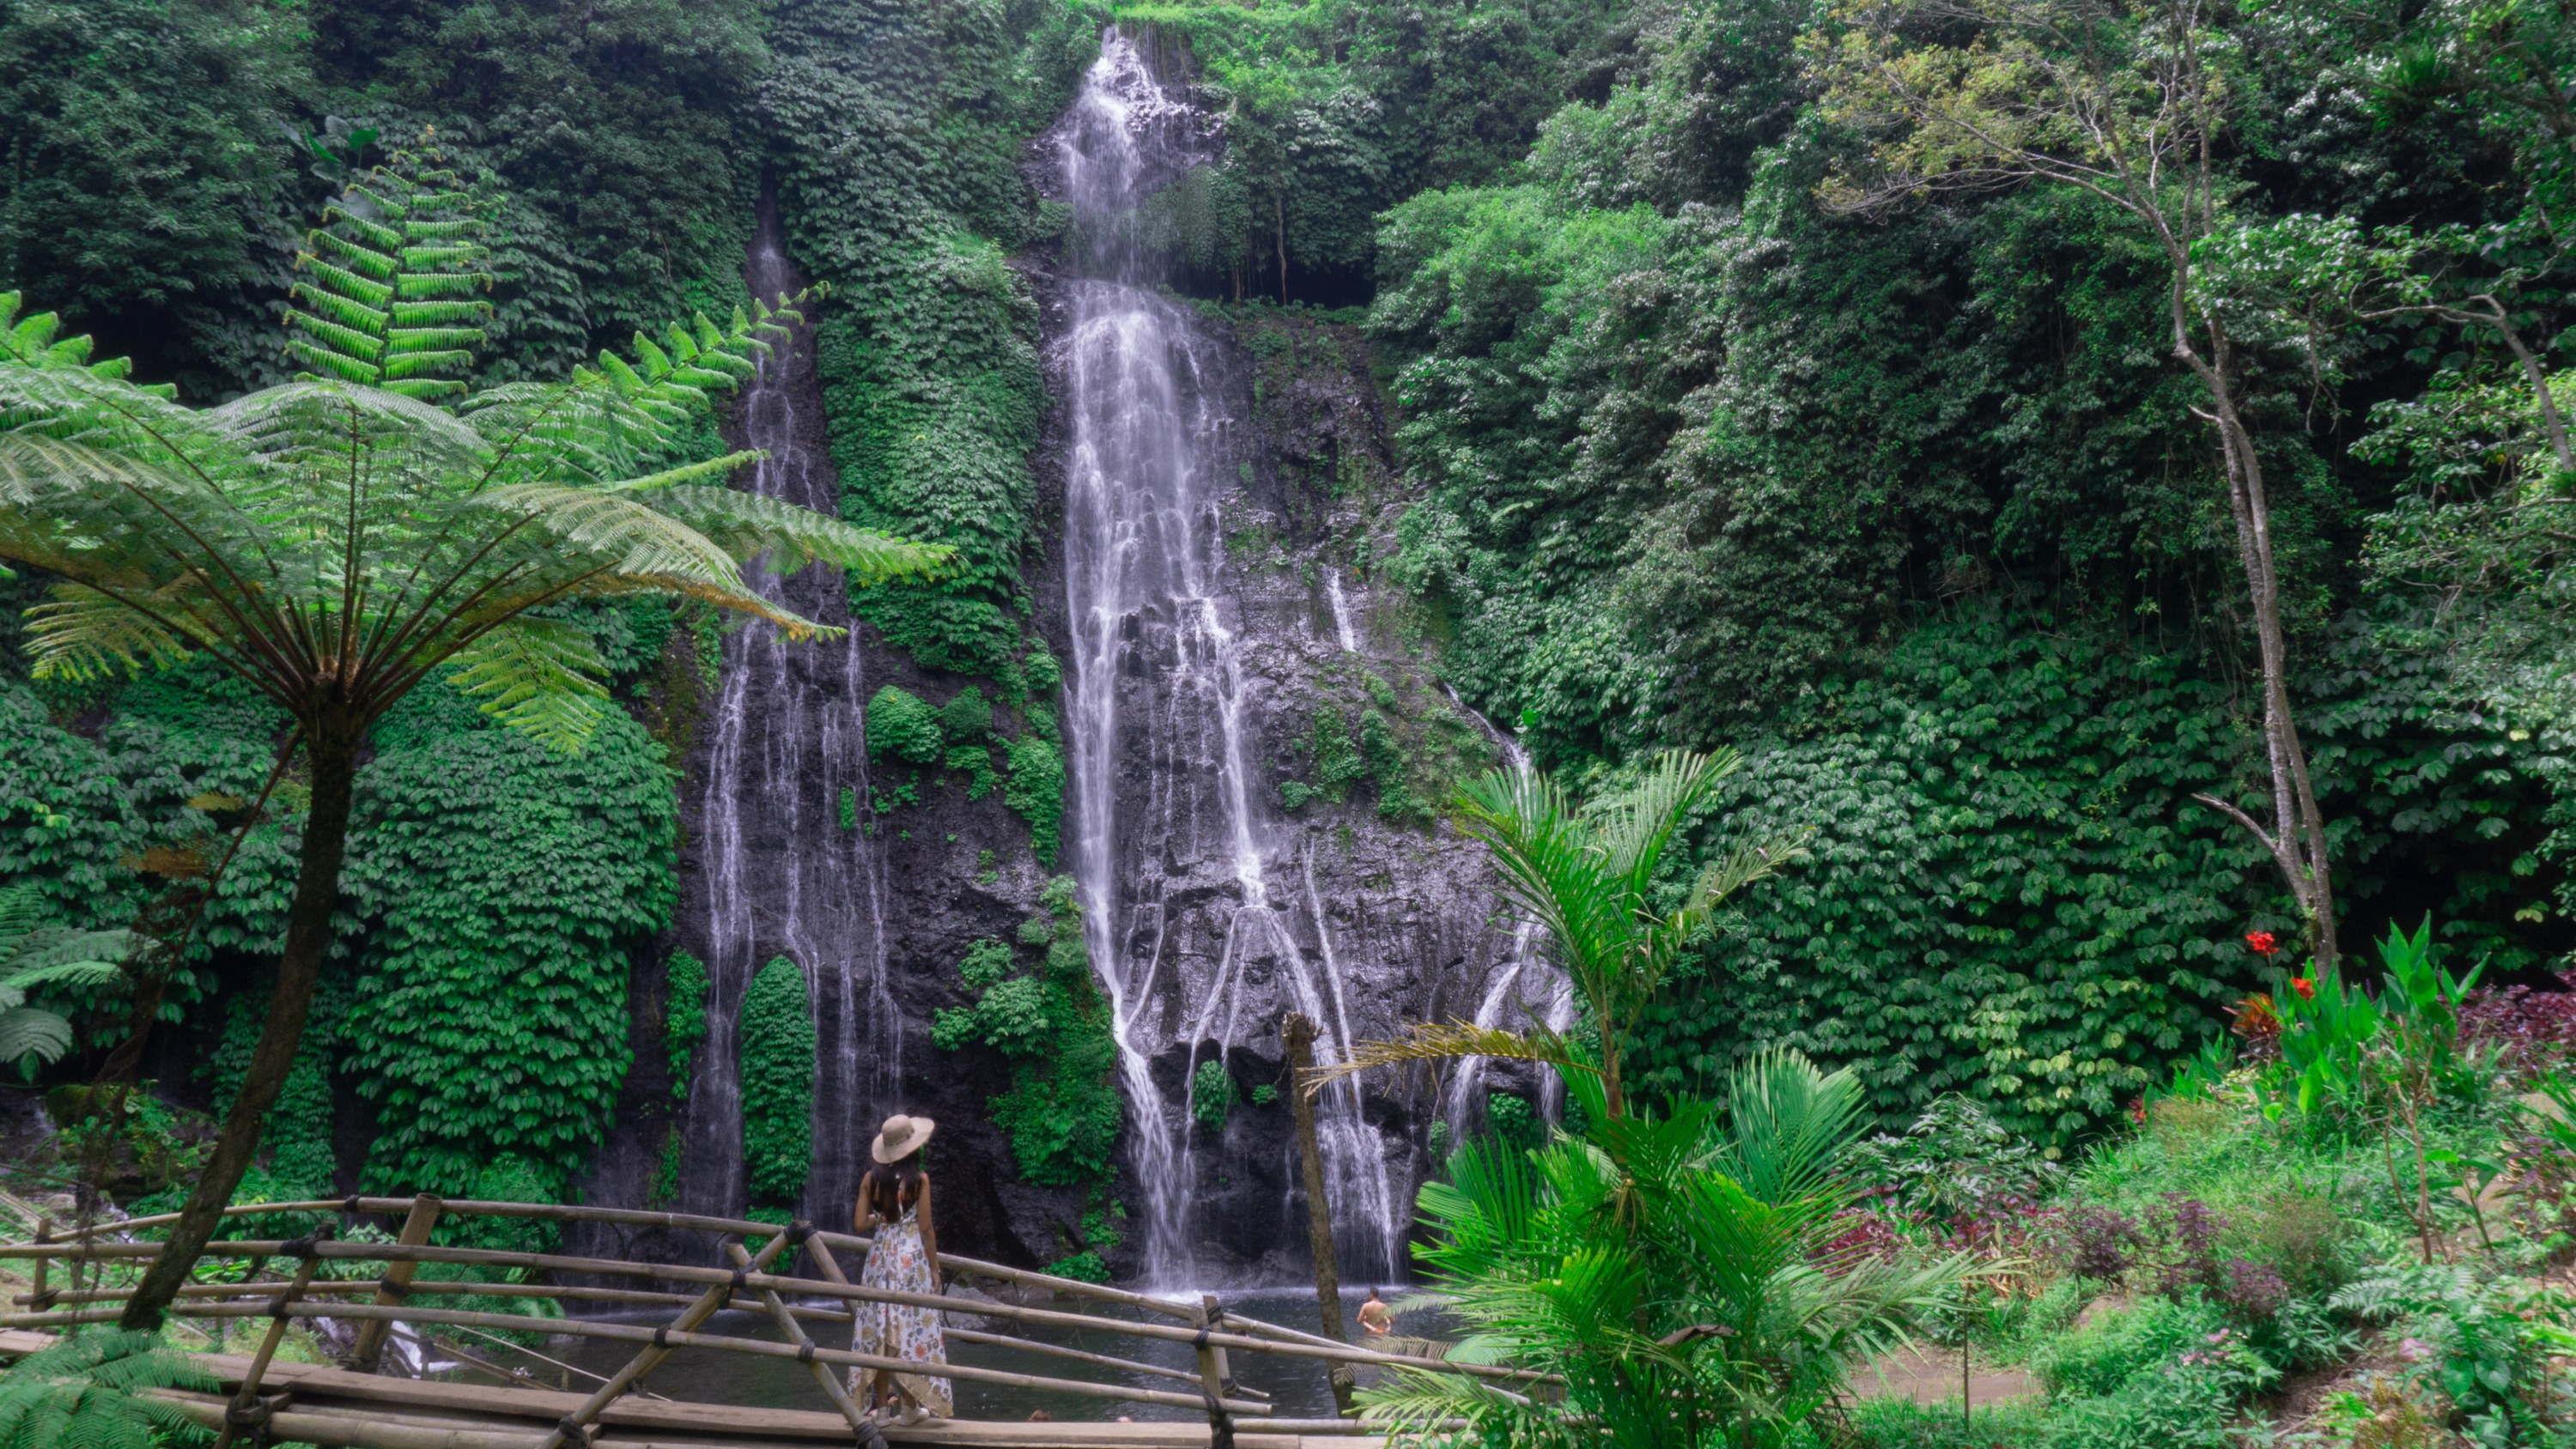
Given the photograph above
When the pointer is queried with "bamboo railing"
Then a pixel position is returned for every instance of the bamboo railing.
(753, 1283)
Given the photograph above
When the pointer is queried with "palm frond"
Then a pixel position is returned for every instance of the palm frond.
(1747, 864)
(1788, 1124)
(539, 676)
(1425, 1041)
(1637, 824)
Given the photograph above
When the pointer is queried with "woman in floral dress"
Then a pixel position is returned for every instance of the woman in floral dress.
(894, 1203)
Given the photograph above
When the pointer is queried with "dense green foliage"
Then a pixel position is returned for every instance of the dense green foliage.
(510, 889)
(1062, 1111)
(777, 1056)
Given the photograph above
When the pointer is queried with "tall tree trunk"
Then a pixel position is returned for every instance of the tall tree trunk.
(2296, 840)
(332, 751)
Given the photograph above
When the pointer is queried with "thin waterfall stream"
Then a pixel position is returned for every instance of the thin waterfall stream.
(769, 870)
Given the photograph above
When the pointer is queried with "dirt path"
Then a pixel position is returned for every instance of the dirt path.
(1931, 1376)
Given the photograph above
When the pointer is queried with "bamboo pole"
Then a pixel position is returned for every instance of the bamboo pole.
(860, 1425)
(1286, 1344)
(1298, 1031)
(577, 1423)
(43, 1297)
(330, 1289)
(396, 1284)
(639, 1217)
(1057, 1350)
(334, 1430)
(1212, 1382)
(244, 1411)
(664, 1339)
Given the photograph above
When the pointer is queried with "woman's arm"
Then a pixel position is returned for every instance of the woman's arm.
(929, 1234)
(863, 1216)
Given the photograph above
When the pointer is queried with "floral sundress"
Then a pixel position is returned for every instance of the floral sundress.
(896, 1330)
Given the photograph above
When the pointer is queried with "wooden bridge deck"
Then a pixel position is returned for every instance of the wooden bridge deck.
(336, 1408)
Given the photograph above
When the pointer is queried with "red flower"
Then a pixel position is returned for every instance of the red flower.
(2307, 989)
(2261, 942)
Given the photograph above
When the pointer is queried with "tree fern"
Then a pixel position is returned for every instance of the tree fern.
(90, 1391)
(388, 293)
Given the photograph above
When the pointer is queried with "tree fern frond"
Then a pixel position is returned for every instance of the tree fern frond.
(355, 342)
(376, 237)
(336, 364)
(424, 388)
(416, 285)
(370, 258)
(66, 952)
(747, 525)
(31, 1031)
(341, 284)
(82, 634)
(425, 363)
(539, 676)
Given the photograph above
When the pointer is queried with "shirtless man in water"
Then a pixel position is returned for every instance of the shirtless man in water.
(1375, 1316)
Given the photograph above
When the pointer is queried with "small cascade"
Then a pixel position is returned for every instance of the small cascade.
(1194, 940)
(768, 869)
(1343, 633)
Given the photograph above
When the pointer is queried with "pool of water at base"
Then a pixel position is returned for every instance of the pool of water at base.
(1297, 1387)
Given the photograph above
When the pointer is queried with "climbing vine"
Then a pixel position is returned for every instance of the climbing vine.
(509, 887)
(777, 1026)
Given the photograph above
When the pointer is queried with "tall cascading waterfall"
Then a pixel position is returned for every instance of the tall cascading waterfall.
(768, 870)
(1201, 927)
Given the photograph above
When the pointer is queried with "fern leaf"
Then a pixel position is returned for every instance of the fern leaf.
(82, 634)
(538, 676)
(343, 283)
(28, 1031)
(348, 341)
(370, 262)
(423, 364)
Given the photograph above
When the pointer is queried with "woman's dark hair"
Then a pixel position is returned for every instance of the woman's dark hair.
(887, 1184)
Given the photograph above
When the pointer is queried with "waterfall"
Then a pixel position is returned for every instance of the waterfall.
(1196, 942)
(1343, 633)
(768, 869)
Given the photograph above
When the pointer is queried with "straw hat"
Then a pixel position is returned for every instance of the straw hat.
(901, 1137)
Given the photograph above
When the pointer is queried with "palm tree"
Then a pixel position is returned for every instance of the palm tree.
(1678, 1272)
(1589, 879)
(337, 540)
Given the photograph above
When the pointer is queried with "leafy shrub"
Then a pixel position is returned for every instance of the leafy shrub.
(2297, 1235)
(2103, 1356)
(2533, 1031)
(902, 726)
(1212, 1094)
(1083, 1267)
(966, 719)
(987, 962)
(684, 1016)
(1036, 790)
(1513, 1121)
(1957, 1162)
(777, 1081)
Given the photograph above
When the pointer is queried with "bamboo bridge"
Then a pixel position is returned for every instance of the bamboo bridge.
(360, 1404)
